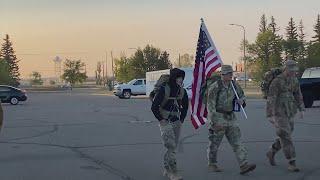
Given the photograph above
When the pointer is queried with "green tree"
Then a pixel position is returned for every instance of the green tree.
(36, 78)
(52, 82)
(314, 55)
(154, 59)
(142, 61)
(8, 54)
(316, 29)
(261, 49)
(163, 61)
(5, 77)
(265, 52)
(98, 74)
(276, 44)
(74, 72)
(186, 60)
(122, 69)
(302, 51)
(291, 44)
(263, 24)
(313, 50)
(147, 59)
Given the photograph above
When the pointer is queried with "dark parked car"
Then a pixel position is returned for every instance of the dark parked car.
(310, 86)
(9, 94)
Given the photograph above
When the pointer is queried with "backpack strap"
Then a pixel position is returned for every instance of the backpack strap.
(166, 95)
(220, 86)
(176, 100)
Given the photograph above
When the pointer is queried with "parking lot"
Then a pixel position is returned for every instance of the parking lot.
(86, 134)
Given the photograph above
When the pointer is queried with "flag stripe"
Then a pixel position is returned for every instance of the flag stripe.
(207, 61)
(213, 69)
(209, 53)
(212, 66)
(195, 74)
(210, 61)
(197, 90)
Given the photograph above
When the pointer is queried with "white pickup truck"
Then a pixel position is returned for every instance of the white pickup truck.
(133, 88)
(153, 76)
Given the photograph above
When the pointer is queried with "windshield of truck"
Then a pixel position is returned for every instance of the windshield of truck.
(132, 81)
(311, 73)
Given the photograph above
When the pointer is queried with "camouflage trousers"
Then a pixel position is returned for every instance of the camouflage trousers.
(170, 133)
(233, 135)
(284, 129)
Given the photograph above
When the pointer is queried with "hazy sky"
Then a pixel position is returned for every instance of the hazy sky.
(86, 29)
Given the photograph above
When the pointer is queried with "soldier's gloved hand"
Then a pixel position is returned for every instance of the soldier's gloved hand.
(244, 104)
(241, 102)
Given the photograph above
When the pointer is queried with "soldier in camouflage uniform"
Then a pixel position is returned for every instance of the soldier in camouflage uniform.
(283, 101)
(170, 106)
(223, 121)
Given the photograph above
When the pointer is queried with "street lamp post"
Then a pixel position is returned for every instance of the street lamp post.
(244, 53)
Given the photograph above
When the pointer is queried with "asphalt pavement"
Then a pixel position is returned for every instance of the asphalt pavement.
(87, 134)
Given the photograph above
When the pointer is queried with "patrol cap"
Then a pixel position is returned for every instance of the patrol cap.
(225, 69)
(291, 65)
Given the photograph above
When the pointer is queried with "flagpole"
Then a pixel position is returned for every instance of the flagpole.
(204, 27)
(234, 90)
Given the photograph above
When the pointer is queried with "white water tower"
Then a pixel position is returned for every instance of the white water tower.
(57, 68)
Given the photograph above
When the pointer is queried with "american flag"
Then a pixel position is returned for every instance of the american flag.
(207, 61)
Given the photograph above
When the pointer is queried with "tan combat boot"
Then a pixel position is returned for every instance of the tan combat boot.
(244, 169)
(214, 168)
(270, 156)
(292, 167)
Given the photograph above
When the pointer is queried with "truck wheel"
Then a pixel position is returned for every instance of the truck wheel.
(307, 99)
(126, 94)
(14, 101)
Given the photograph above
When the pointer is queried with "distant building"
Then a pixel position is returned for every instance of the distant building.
(239, 67)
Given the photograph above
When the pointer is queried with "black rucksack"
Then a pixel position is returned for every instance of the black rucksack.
(267, 79)
(164, 78)
(163, 82)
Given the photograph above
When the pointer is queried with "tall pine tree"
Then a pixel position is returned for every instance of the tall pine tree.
(276, 44)
(317, 30)
(314, 47)
(263, 24)
(8, 55)
(291, 44)
(302, 53)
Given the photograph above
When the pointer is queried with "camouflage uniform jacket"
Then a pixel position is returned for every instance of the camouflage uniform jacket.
(221, 98)
(284, 97)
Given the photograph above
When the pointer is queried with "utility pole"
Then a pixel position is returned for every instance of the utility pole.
(112, 71)
(244, 52)
(179, 61)
(107, 65)
(102, 71)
